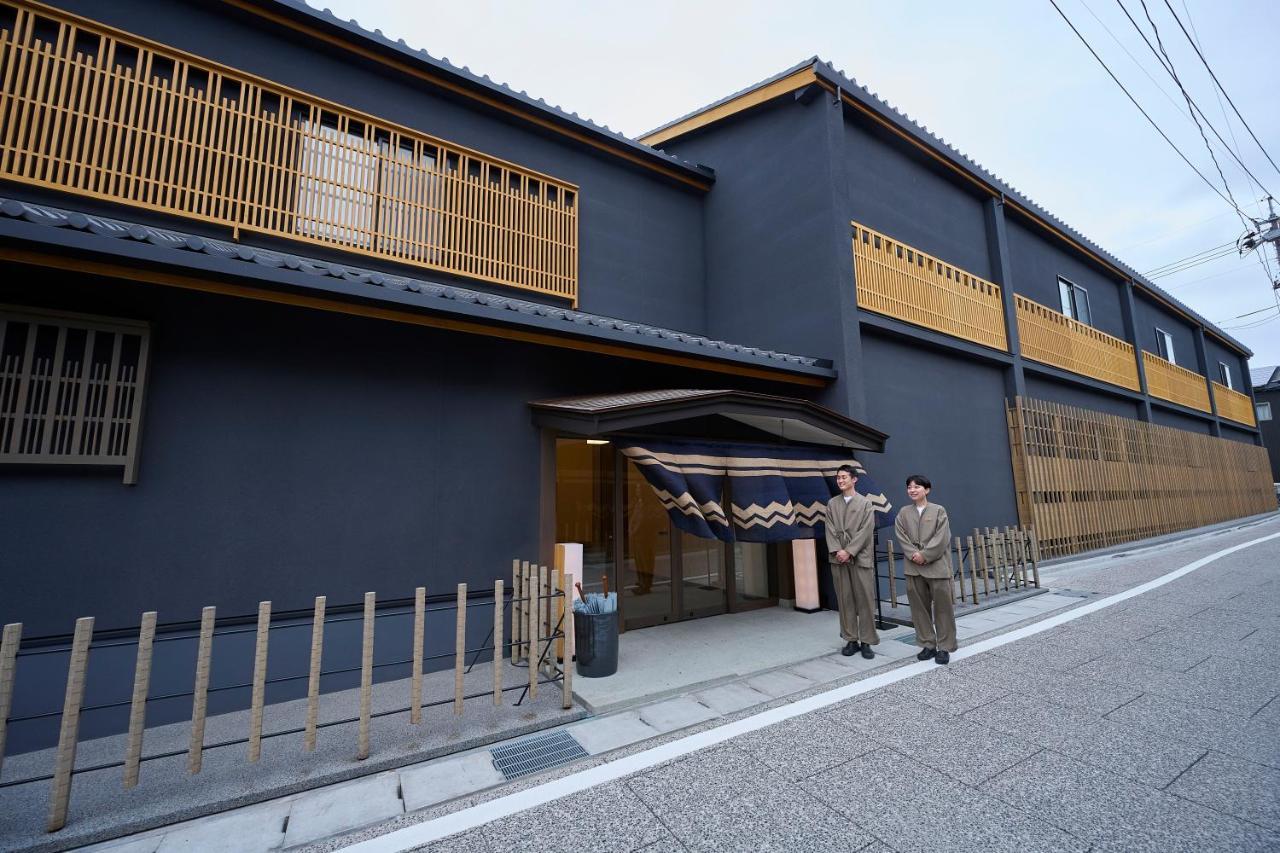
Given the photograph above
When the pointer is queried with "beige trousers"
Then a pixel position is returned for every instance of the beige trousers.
(856, 598)
(933, 614)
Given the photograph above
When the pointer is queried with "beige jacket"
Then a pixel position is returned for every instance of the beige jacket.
(850, 526)
(930, 534)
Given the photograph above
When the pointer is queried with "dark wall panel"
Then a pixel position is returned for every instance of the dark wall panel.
(1043, 388)
(1239, 365)
(1037, 259)
(1271, 431)
(946, 419)
(640, 236)
(899, 194)
(1148, 315)
(1177, 420)
(1233, 434)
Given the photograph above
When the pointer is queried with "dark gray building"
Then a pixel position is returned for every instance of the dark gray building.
(1266, 393)
(292, 308)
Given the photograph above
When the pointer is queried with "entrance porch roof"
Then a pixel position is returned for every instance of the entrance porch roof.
(785, 418)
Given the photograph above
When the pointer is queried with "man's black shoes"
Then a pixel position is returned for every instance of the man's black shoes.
(866, 651)
(850, 649)
(943, 657)
(925, 654)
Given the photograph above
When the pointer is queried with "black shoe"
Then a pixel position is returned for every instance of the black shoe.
(849, 650)
(925, 654)
(943, 658)
(866, 651)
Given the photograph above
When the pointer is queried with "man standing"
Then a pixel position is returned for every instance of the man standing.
(925, 536)
(850, 527)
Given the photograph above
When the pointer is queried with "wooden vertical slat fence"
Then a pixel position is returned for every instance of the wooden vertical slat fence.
(9, 642)
(460, 649)
(110, 115)
(366, 676)
(498, 606)
(258, 696)
(1053, 338)
(1087, 480)
(313, 674)
(138, 705)
(200, 692)
(1175, 383)
(1234, 406)
(419, 636)
(69, 731)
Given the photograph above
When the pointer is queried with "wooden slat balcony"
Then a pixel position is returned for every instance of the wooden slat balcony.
(1051, 337)
(1168, 381)
(87, 109)
(902, 282)
(1234, 406)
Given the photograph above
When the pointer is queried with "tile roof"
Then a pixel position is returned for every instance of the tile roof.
(872, 100)
(442, 65)
(426, 294)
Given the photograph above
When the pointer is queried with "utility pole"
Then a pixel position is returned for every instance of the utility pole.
(1268, 232)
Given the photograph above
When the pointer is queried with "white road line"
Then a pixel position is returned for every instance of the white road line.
(469, 818)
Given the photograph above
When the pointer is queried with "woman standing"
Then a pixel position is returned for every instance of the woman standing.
(925, 535)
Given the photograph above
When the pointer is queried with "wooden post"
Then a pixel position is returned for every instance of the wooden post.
(973, 572)
(893, 572)
(9, 643)
(959, 569)
(1035, 557)
(544, 619)
(138, 707)
(532, 632)
(497, 642)
(200, 693)
(981, 560)
(313, 677)
(459, 649)
(64, 763)
(259, 680)
(519, 619)
(559, 602)
(419, 634)
(366, 677)
(566, 683)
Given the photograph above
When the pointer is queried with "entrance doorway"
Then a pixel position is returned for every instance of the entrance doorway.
(661, 573)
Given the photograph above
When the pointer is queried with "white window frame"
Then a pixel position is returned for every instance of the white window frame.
(1224, 373)
(1072, 296)
(1263, 410)
(1164, 346)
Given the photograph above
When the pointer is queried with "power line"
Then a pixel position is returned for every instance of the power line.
(1205, 62)
(1225, 253)
(1134, 101)
(1162, 267)
(1167, 65)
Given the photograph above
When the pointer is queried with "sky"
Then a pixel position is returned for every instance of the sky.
(1006, 82)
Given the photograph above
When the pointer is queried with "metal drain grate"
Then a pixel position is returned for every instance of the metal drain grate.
(536, 753)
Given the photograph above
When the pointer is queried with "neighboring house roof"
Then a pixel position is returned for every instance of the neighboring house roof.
(19, 219)
(1261, 376)
(298, 12)
(825, 73)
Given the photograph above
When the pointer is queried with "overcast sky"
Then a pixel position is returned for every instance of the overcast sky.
(1007, 83)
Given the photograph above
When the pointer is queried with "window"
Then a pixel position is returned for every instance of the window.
(1075, 301)
(71, 389)
(1164, 345)
(1264, 411)
(1225, 373)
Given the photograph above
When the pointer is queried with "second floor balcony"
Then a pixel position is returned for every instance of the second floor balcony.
(1053, 338)
(1234, 406)
(1168, 381)
(90, 110)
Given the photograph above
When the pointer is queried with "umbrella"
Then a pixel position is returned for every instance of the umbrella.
(594, 603)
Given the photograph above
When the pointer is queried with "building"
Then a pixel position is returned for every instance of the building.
(1266, 392)
(292, 308)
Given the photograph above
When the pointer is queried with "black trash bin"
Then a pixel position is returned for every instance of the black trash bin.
(596, 643)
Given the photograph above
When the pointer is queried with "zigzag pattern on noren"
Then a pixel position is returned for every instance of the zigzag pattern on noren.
(687, 504)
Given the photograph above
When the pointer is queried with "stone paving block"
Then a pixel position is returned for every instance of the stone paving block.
(1115, 814)
(804, 746)
(324, 812)
(710, 776)
(819, 670)
(1086, 693)
(601, 734)
(1249, 738)
(943, 689)
(609, 819)
(728, 698)
(1269, 712)
(779, 683)
(1147, 653)
(1234, 786)
(471, 841)
(1201, 684)
(438, 781)
(1144, 755)
(919, 809)
(256, 828)
(779, 820)
(678, 713)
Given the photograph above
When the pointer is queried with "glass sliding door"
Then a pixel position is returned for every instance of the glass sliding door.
(646, 587)
(585, 508)
(703, 585)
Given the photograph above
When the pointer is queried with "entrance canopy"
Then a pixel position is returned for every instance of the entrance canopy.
(732, 490)
(784, 418)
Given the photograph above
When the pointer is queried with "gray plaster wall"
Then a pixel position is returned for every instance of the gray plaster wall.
(640, 234)
(1037, 262)
(946, 416)
(1148, 315)
(1217, 352)
(1045, 388)
(1244, 436)
(1271, 430)
(1177, 420)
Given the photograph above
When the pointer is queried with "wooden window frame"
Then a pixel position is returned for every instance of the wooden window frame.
(59, 411)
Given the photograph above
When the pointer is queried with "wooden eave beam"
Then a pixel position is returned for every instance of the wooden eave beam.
(745, 101)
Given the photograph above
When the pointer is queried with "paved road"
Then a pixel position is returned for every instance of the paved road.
(1149, 725)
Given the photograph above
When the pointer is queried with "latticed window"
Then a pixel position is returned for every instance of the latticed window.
(71, 389)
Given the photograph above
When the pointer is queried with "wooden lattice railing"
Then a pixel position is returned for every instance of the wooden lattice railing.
(1234, 406)
(900, 281)
(1052, 337)
(1168, 381)
(1087, 480)
(88, 109)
